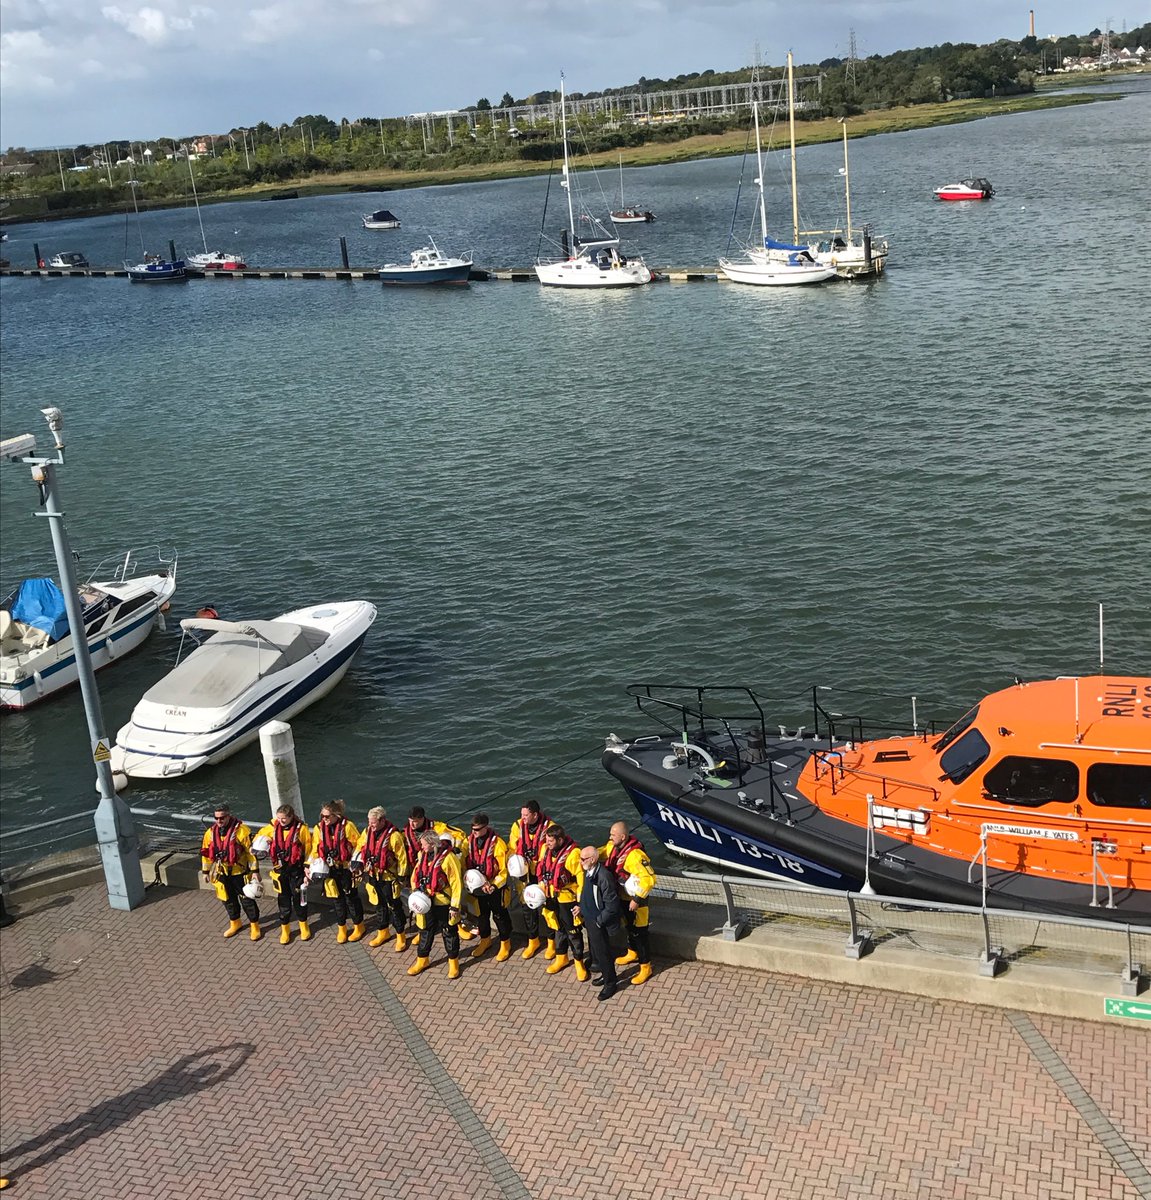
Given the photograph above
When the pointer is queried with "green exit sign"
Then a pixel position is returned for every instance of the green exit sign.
(1113, 1006)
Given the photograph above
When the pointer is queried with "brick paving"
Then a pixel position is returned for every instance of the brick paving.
(142, 1056)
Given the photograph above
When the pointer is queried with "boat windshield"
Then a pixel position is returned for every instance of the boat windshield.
(960, 726)
(962, 757)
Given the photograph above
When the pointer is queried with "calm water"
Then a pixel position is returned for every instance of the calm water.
(919, 486)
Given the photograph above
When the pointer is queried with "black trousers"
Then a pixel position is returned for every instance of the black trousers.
(389, 905)
(235, 898)
(439, 921)
(494, 907)
(531, 915)
(347, 897)
(637, 935)
(602, 953)
(292, 894)
(568, 934)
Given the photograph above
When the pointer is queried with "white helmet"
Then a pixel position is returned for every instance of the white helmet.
(632, 886)
(534, 896)
(357, 863)
(253, 889)
(318, 869)
(420, 903)
(474, 880)
(517, 866)
(262, 846)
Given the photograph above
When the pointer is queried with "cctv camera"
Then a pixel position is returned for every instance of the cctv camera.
(14, 449)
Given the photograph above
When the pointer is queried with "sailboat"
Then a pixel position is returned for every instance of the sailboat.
(628, 214)
(210, 260)
(153, 268)
(594, 262)
(852, 253)
(774, 263)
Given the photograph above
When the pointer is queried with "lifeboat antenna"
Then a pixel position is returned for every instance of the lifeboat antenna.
(1100, 637)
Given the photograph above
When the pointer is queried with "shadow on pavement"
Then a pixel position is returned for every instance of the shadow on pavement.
(193, 1073)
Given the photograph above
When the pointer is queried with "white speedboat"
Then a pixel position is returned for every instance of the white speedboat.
(216, 260)
(37, 656)
(246, 673)
(68, 260)
(428, 265)
(381, 219)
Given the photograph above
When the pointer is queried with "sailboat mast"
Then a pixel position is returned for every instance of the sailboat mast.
(566, 183)
(846, 178)
(759, 175)
(791, 126)
(192, 177)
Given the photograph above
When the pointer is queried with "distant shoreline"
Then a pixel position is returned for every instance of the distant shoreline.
(827, 129)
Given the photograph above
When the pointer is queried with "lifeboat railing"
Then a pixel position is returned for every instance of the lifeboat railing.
(829, 764)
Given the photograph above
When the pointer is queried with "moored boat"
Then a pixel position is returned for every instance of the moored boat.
(119, 607)
(155, 269)
(68, 260)
(1038, 799)
(969, 189)
(213, 702)
(631, 216)
(216, 260)
(381, 219)
(428, 265)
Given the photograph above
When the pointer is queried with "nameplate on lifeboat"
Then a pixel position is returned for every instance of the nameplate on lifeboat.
(1055, 835)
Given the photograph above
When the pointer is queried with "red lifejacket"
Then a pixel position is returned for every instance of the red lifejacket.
(412, 839)
(482, 855)
(335, 845)
(224, 850)
(431, 876)
(553, 869)
(531, 842)
(617, 855)
(378, 848)
(286, 848)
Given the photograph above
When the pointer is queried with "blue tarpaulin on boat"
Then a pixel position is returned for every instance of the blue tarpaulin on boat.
(40, 603)
(772, 244)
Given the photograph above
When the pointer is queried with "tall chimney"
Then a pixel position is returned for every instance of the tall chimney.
(1032, 22)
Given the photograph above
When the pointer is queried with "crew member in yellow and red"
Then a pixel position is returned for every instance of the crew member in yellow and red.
(227, 862)
(488, 854)
(383, 859)
(334, 840)
(437, 875)
(561, 877)
(527, 840)
(287, 843)
(625, 857)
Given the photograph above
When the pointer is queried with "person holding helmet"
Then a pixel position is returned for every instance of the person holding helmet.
(382, 857)
(334, 841)
(287, 843)
(526, 841)
(227, 862)
(600, 910)
(437, 875)
(626, 859)
(561, 878)
(487, 857)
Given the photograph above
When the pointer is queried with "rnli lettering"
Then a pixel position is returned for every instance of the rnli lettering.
(709, 833)
(1126, 700)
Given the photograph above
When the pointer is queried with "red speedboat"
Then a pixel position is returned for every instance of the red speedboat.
(969, 189)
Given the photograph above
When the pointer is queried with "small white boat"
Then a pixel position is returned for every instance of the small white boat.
(68, 260)
(381, 219)
(246, 673)
(37, 656)
(629, 214)
(428, 265)
(216, 260)
(969, 189)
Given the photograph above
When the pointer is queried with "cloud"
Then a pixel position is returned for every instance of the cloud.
(154, 27)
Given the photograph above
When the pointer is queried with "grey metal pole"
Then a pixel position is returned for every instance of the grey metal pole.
(115, 829)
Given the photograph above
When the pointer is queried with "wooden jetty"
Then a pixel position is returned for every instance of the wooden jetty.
(701, 274)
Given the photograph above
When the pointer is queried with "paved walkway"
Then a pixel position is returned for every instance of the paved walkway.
(142, 1056)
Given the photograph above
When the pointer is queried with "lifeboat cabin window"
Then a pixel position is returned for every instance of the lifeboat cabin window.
(1032, 781)
(961, 726)
(1119, 785)
(964, 756)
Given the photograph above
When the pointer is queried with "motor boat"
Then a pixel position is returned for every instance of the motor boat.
(68, 260)
(155, 269)
(969, 189)
(632, 216)
(381, 219)
(216, 260)
(37, 655)
(428, 265)
(244, 674)
(1038, 799)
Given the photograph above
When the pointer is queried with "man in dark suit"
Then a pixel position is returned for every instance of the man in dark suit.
(600, 910)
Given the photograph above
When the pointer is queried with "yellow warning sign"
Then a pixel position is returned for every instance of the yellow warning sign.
(102, 753)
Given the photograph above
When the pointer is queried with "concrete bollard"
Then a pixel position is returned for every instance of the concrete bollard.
(279, 751)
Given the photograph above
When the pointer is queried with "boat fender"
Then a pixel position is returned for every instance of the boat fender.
(38, 680)
(41, 264)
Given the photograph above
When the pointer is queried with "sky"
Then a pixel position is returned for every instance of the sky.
(84, 71)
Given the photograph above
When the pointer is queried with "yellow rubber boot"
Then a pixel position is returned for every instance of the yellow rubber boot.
(453, 968)
(341, 933)
(467, 934)
(285, 934)
(532, 948)
(550, 952)
(561, 961)
(358, 932)
(421, 964)
(505, 952)
(380, 938)
(234, 927)
(256, 931)
(624, 959)
(482, 947)
(305, 932)
(581, 971)
(401, 942)
(642, 975)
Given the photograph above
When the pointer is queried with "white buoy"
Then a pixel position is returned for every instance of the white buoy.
(279, 751)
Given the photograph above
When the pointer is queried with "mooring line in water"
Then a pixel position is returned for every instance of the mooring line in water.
(1128, 1162)
(506, 1179)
